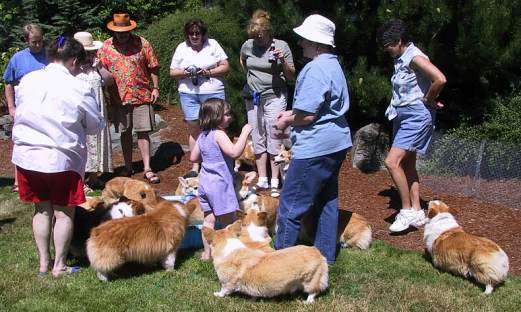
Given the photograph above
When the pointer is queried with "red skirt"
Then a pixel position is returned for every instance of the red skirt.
(60, 188)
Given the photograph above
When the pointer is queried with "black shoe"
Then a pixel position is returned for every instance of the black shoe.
(190, 174)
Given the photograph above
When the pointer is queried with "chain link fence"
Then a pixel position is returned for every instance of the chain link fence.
(486, 170)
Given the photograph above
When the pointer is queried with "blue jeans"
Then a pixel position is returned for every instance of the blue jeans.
(311, 184)
(191, 103)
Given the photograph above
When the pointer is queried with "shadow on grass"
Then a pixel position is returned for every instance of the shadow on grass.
(6, 221)
(299, 295)
(6, 181)
(133, 269)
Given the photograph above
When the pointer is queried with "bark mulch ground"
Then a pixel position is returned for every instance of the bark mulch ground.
(371, 195)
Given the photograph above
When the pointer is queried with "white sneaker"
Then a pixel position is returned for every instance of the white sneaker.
(407, 217)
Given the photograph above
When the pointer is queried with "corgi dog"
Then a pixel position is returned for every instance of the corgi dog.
(247, 156)
(130, 188)
(197, 215)
(249, 198)
(282, 159)
(85, 220)
(148, 238)
(265, 274)
(461, 253)
(353, 230)
(187, 186)
(254, 230)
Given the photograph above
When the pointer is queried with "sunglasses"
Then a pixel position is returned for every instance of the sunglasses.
(194, 33)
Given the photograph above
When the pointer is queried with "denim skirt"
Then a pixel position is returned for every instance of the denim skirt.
(413, 128)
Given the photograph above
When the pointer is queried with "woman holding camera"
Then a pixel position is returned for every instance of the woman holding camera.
(198, 64)
(268, 63)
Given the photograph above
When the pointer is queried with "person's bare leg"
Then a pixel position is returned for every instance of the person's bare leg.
(42, 221)
(393, 162)
(15, 185)
(143, 142)
(194, 130)
(275, 170)
(209, 221)
(261, 161)
(63, 227)
(126, 148)
(413, 181)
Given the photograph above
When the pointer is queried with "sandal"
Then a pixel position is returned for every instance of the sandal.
(66, 271)
(151, 177)
(14, 188)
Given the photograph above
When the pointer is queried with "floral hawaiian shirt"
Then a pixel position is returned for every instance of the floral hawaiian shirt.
(130, 64)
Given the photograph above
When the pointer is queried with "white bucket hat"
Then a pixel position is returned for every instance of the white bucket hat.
(317, 28)
(85, 38)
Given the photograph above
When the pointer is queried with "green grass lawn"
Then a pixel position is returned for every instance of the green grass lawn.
(381, 278)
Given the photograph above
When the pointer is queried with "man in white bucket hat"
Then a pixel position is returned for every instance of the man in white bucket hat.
(320, 138)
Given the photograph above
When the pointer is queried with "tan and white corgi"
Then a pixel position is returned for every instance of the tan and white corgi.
(187, 186)
(247, 156)
(149, 238)
(197, 215)
(250, 199)
(353, 230)
(282, 159)
(130, 188)
(265, 274)
(254, 229)
(461, 253)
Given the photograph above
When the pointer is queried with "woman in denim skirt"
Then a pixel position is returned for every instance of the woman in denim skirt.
(416, 83)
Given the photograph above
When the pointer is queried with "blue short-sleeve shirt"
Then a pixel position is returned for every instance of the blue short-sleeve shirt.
(321, 89)
(22, 63)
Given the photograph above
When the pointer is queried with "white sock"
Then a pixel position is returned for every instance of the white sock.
(262, 181)
(275, 183)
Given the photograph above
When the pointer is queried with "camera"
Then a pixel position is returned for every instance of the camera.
(192, 73)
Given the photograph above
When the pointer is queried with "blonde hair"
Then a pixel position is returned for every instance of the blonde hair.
(260, 21)
(31, 29)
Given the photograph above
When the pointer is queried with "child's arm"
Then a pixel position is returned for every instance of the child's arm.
(226, 145)
(195, 155)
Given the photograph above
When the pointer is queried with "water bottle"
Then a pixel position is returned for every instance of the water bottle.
(271, 54)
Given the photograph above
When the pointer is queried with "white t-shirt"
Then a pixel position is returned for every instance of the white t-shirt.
(54, 112)
(207, 58)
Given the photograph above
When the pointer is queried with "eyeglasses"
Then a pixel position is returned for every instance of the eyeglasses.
(194, 33)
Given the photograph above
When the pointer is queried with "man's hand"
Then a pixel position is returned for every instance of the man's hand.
(155, 95)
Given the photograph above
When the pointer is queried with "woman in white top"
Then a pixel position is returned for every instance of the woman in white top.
(55, 111)
(198, 64)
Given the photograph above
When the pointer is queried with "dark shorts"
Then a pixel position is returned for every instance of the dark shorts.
(60, 188)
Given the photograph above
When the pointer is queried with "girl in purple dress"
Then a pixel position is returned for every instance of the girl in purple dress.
(216, 153)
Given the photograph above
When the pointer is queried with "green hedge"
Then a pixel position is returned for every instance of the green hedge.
(167, 33)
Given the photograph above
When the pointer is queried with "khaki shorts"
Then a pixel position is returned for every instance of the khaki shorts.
(137, 117)
(260, 117)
